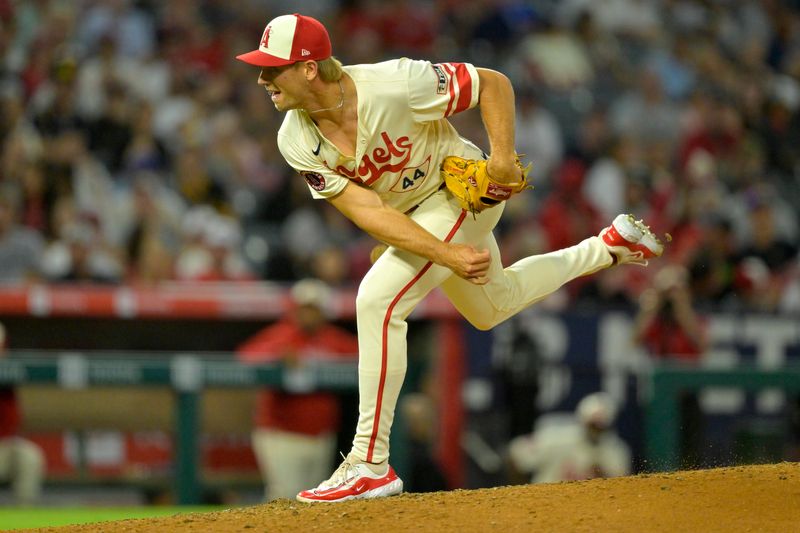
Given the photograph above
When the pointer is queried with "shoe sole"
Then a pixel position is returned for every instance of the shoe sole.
(649, 239)
(636, 231)
(390, 489)
(627, 228)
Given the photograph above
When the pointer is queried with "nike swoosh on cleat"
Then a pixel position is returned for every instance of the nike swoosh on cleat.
(358, 488)
(316, 152)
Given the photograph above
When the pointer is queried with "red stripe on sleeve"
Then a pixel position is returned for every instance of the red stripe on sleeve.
(464, 86)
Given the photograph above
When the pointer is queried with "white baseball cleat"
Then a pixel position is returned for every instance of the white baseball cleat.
(630, 241)
(354, 480)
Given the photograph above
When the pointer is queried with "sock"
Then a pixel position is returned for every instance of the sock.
(376, 468)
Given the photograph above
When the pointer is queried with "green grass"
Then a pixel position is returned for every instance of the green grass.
(56, 516)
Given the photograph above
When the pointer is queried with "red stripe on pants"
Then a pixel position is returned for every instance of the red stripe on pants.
(385, 340)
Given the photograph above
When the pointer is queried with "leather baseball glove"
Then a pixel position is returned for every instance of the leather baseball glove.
(475, 189)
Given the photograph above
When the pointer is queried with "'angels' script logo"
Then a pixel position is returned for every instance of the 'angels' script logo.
(265, 37)
(393, 158)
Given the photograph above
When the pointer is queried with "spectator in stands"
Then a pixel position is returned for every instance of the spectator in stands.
(131, 28)
(408, 28)
(223, 239)
(36, 198)
(21, 461)
(645, 112)
(111, 132)
(145, 150)
(81, 255)
(668, 327)
(91, 93)
(567, 211)
(555, 58)
(148, 225)
(713, 265)
(194, 259)
(766, 241)
(212, 250)
(756, 289)
(667, 324)
(20, 142)
(20, 247)
(584, 449)
(614, 160)
(54, 103)
(540, 136)
(332, 265)
(295, 430)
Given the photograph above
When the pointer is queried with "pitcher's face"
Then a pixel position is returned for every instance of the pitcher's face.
(285, 86)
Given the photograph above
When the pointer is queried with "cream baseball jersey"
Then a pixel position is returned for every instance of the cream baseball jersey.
(403, 132)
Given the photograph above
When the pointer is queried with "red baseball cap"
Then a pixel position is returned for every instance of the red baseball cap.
(290, 38)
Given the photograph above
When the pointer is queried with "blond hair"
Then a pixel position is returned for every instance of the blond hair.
(329, 69)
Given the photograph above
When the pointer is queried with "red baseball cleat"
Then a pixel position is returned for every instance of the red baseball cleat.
(354, 480)
(630, 241)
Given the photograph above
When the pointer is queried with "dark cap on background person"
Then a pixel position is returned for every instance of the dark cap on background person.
(288, 39)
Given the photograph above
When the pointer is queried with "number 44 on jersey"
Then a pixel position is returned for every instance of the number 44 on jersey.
(412, 177)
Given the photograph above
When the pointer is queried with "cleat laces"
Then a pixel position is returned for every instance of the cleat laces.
(341, 475)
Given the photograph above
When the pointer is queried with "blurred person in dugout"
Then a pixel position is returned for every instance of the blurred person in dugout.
(670, 330)
(294, 437)
(21, 461)
(586, 448)
(424, 472)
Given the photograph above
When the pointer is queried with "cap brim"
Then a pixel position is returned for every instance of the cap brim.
(260, 59)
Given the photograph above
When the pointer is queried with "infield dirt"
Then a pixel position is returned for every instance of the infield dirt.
(764, 498)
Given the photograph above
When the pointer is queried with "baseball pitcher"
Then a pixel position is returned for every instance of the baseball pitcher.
(375, 142)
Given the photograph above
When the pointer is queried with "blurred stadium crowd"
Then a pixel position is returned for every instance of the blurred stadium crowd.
(134, 148)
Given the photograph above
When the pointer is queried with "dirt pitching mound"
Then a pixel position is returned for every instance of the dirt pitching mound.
(748, 498)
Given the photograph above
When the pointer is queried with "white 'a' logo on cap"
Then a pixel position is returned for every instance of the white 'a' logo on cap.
(278, 37)
(265, 37)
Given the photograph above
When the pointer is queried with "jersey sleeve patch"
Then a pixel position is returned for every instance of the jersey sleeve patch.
(441, 86)
(315, 180)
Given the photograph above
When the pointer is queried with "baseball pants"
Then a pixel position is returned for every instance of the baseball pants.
(399, 280)
(22, 462)
(292, 462)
